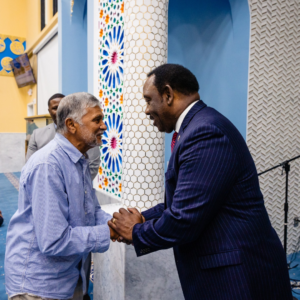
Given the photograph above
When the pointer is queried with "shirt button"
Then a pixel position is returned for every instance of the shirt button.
(85, 192)
(85, 212)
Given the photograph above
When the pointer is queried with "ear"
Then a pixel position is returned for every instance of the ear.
(70, 124)
(168, 95)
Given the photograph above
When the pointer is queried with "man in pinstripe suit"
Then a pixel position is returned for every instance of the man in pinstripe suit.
(214, 215)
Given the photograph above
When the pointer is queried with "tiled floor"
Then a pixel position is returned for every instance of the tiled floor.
(8, 206)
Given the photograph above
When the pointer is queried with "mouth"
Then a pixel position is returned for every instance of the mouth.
(152, 119)
(99, 135)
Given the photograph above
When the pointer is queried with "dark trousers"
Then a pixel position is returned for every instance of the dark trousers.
(87, 271)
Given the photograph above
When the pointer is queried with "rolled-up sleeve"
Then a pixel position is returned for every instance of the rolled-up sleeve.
(50, 209)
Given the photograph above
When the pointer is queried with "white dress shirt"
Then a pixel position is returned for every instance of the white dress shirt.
(182, 116)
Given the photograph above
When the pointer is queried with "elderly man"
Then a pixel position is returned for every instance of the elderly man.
(58, 221)
(42, 136)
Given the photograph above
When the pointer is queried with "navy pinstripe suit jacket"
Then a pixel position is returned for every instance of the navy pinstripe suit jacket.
(214, 216)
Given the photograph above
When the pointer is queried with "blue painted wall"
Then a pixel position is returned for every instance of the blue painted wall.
(73, 60)
(211, 38)
(90, 46)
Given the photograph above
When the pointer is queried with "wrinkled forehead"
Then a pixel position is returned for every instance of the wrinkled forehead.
(149, 83)
(93, 112)
(150, 89)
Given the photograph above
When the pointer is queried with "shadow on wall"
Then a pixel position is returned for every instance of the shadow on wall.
(211, 38)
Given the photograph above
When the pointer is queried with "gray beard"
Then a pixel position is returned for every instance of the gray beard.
(90, 138)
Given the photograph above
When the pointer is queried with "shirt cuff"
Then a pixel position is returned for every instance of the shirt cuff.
(102, 238)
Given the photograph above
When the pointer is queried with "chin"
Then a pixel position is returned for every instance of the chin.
(161, 128)
(99, 142)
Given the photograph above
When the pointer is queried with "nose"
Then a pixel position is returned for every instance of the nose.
(103, 126)
(147, 111)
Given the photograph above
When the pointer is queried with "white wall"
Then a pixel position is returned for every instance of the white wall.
(47, 83)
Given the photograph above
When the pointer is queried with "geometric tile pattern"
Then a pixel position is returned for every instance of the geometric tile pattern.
(110, 61)
(146, 30)
(273, 133)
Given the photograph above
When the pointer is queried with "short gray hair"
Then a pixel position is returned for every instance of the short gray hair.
(74, 106)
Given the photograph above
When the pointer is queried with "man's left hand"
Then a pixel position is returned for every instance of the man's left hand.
(123, 222)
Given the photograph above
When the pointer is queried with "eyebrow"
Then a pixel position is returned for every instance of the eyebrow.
(101, 116)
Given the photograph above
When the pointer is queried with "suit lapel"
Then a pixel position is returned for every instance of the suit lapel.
(196, 108)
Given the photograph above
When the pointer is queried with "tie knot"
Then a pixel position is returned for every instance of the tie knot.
(174, 140)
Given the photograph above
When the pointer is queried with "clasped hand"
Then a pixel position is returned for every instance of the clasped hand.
(121, 225)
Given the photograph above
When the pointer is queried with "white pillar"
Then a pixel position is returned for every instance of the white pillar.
(119, 274)
(146, 32)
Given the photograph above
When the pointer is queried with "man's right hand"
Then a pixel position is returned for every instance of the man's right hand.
(113, 235)
(134, 211)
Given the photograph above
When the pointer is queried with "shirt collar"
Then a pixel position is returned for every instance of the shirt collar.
(182, 116)
(55, 126)
(74, 154)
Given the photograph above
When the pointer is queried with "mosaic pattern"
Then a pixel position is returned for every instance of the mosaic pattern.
(113, 52)
(146, 32)
(10, 48)
(110, 88)
(273, 106)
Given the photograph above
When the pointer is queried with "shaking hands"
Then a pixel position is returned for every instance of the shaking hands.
(122, 223)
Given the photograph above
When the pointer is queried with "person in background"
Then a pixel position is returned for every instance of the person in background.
(59, 220)
(42, 136)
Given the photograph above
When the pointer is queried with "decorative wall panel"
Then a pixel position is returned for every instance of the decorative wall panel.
(146, 31)
(10, 48)
(273, 105)
(110, 60)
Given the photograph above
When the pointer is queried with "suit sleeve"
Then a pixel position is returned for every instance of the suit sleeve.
(206, 174)
(32, 146)
(154, 212)
(94, 161)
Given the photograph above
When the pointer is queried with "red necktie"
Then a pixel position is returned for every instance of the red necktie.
(173, 140)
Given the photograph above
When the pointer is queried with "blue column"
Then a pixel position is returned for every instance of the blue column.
(72, 33)
(90, 45)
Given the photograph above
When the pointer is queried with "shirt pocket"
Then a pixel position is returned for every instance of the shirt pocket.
(223, 259)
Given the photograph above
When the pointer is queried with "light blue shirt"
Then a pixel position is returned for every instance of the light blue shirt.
(58, 222)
